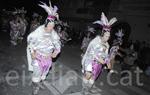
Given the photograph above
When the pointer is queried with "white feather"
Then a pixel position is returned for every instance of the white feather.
(49, 9)
(104, 19)
(50, 4)
(98, 22)
(46, 8)
(55, 9)
(57, 16)
(112, 21)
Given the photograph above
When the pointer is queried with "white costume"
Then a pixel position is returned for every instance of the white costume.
(43, 43)
(95, 50)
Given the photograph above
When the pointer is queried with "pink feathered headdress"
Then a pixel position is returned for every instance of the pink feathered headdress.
(105, 23)
(52, 11)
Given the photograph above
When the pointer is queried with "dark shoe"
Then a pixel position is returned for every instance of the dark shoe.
(35, 88)
(35, 91)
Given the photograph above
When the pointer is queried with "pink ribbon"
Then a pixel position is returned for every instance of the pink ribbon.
(51, 17)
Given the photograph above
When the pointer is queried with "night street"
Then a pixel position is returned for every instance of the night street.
(75, 47)
(63, 79)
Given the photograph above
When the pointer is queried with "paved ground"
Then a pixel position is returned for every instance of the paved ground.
(65, 77)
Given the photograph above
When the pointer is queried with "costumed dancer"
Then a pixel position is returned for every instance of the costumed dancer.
(43, 45)
(114, 49)
(96, 54)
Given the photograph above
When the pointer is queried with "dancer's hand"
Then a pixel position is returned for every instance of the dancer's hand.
(54, 55)
(33, 55)
(88, 75)
(101, 60)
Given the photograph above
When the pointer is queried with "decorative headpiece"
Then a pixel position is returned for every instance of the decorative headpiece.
(105, 23)
(119, 35)
(52, 11)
